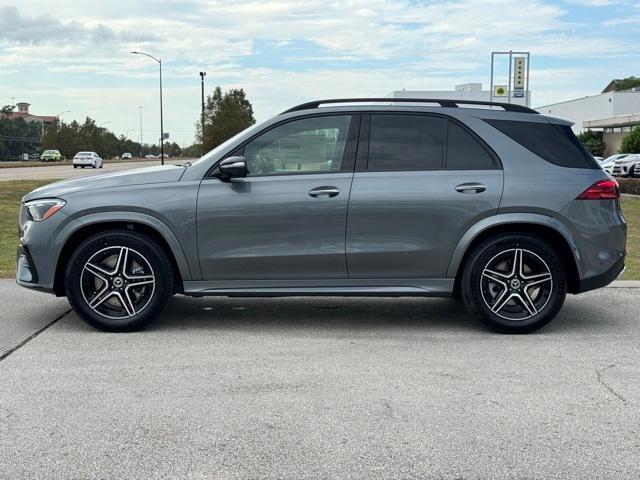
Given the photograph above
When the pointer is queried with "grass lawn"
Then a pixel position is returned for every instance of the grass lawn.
(11, 193)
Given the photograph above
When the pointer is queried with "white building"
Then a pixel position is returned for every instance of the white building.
(465, 91)
(615, 113)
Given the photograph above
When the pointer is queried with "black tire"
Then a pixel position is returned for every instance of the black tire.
(634, 172)
(485, 276)
(142, 258)
(75, 166)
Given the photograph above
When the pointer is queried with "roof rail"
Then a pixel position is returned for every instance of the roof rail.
(509, 107)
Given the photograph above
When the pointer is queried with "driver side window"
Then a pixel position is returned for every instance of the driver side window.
(309, 145)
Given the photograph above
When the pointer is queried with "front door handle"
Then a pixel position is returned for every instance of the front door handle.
(324, 191)
(471, 188)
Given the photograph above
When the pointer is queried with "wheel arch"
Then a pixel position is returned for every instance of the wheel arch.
(161, 234)
(535, 224)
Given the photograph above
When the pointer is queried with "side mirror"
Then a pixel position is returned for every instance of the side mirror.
(233, 167)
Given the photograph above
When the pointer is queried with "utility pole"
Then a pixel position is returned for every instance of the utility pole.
(202, 75)
(140, 107)
(60, 128)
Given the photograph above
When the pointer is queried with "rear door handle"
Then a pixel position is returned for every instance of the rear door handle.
(471, 187)
(324, 191)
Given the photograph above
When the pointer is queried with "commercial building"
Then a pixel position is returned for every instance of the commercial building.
(465, 91)
(23, 112)
(614, 113)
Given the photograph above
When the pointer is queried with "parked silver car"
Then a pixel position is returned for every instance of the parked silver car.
(627, 165)
(495, 204)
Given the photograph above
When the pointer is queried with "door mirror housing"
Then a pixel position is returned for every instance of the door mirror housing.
(232, 167)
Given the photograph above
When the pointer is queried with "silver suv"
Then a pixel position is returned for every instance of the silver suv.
(490, 203)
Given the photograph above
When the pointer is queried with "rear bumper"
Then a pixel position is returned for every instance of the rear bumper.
(603, 279)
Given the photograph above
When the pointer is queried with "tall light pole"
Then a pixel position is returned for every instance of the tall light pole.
(202, 75)
(161, 124)
(59, 127)
(140, 107)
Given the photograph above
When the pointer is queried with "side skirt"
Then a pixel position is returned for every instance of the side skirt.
(348, 287)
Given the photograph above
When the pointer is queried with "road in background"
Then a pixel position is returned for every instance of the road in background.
(67, 171)
(328, 388)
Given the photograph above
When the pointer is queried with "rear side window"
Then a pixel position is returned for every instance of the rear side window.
(406, 142)
(555, 143)
(465, 152)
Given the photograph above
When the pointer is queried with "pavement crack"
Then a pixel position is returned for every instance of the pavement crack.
(605, 385)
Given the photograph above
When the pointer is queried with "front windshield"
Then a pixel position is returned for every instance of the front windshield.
(223, 146)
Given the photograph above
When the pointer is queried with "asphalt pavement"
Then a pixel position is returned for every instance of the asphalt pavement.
(327, 388)
(67, 171)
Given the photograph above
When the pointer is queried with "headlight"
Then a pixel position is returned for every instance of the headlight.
(40, 210)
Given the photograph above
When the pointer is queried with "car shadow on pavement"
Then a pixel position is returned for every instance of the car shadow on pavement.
(584, 314)
(309, 313)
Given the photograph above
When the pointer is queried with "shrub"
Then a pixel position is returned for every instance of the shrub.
(629, 185)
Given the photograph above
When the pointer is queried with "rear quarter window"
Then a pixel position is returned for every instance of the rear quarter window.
(554, 143)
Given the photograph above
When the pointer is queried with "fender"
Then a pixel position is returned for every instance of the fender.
(505, 219)
(136, 217)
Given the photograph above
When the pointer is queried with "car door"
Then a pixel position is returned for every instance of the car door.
(287, 218)
(421, 181)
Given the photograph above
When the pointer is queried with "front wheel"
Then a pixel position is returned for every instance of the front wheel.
(119, 280)
(514, 283)
(634, 171)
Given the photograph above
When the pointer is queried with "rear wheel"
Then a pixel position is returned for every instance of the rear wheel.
(119, 280)
(514, 283)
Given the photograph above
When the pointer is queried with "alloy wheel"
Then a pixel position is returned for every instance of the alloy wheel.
(117, 282)
(516, 284)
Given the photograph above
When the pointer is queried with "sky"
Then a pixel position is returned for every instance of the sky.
(74, 54)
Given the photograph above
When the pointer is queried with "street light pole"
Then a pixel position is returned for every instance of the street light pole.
(59, 128)
(161, 121)
(202, 75)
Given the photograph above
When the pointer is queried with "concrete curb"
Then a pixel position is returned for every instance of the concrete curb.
(625, 284)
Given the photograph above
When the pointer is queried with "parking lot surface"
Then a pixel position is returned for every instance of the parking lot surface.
(67, 171)
(328, 388)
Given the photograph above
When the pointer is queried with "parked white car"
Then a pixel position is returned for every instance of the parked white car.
(627, 165)
(607, 165)
(126, 156)
(87, 159)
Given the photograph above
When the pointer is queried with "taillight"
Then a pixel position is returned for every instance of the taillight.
(601, 190)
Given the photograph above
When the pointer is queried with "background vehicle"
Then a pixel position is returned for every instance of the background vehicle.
(126, 156)
(626, 166)
(504, 209)
(598, 159)
(51, 156)
(607, 165)
(149, 155)
(87, 159)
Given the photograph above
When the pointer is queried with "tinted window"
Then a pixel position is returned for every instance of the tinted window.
(309, 145)
(406, 142)
(555, 143)
(465, 152)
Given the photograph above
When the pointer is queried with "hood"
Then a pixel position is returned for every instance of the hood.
(124, 178)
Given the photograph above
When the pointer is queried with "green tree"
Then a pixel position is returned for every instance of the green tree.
(226, 114)
(17, 136)
(194, 150)
(631, 141)
(593, 142)
(627, 83)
